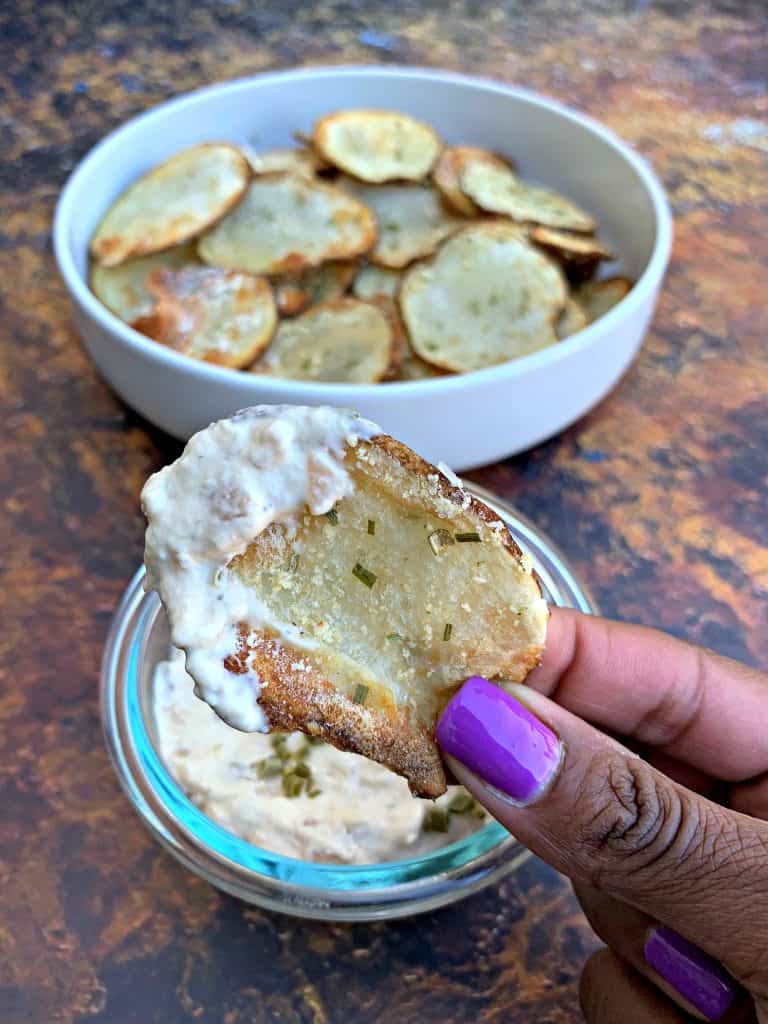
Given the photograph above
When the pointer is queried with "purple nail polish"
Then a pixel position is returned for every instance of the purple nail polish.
(499, 740)
(696, 976)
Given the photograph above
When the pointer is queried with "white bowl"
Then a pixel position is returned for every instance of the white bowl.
(464, 420)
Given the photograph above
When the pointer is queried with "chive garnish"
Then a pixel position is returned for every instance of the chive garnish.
(467, 538)
(461, 803)
(447, 631)
(364, 575)
(332, 516)
(439, 539)
(395, 636)
(371, 527)
(360, 696)
(436, 819)
(302, 770)
(269, 768)
(313, 793)
(292, 785)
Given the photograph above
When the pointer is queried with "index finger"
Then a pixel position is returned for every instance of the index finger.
(702, 709)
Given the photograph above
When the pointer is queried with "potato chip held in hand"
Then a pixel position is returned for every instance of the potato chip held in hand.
(321, 576)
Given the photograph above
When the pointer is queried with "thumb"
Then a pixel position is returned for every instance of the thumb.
(603, 816)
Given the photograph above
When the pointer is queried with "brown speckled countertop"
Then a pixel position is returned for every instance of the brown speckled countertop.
(658, 496)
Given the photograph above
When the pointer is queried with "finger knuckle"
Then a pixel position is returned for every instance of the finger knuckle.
(634, 824)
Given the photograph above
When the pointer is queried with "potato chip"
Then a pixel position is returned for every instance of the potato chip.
(487, 297)
(445, 176)
(572, 319)
(287, 224)
(218, 316)
(295, 293)
(496, 188)
(598, 297)
(290, 161)
(342, 341)
(371, 614)
(377, 145)
(172, 203)
(578, 255)
(376, 283)
(123, 289)
(412, 221)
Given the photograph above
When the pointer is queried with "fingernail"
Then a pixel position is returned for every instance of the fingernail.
(499, 739)
(699, 979)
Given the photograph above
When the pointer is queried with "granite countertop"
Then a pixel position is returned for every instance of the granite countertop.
(658, 496)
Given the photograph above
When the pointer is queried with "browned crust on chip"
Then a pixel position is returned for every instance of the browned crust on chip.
(294, 699)
(391, 310)
(104, 250)
(296, 695)
(290, 297)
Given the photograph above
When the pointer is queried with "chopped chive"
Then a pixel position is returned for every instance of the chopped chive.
(294, 563)
(371, 527)
(302, 770)
(292, 785)
(332, 516)
(439, 539)
(360, 696)
(278, 739)
(436, 819)
(313, 793)
(364, 575)
(461, 803)
(447, 631)
(306, 365)
(395, 636)
(269, 768)
(467, 538)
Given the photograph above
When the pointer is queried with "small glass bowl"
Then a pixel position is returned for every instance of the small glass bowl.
(139, 639)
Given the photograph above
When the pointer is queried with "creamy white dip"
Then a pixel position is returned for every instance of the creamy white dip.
(232, 481)
(362, 814)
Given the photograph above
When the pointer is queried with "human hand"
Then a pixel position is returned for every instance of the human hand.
(674, 882)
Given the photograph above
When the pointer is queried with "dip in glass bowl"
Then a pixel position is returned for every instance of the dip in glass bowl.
(432, 875)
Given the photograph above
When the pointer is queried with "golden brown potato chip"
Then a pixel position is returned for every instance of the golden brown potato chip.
(445, 175)
(412, 221)
(598, 297)
(296, 292)
(218, 316)
(572, 320)
(377, 145)
(578, 255)
(376, 283)
(487, 297)
(342, 341)
(371, 615)
(495, 187)
(291, 161)
(124, 289)
(172, 203)
(287, 224)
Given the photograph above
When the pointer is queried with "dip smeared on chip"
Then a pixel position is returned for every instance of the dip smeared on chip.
(321, 576)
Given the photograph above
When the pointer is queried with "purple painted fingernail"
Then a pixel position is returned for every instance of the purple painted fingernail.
(696, 976)
(499, 740)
